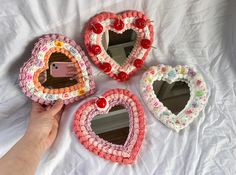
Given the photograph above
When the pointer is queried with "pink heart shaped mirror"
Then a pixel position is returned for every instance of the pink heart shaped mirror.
(123, 150)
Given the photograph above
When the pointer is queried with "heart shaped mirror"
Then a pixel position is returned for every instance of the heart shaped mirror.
(60, 74)
(101, 125)
(119, 43)
(174, 96)
(112, 126)
(57, 69)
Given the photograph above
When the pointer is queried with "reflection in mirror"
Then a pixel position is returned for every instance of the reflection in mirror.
(174, 96)
(113, 126)
(56, 76)
(119, 46)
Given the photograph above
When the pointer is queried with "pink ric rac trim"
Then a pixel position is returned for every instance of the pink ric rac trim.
(28, 77)
(198, 94)
(124, 154)
(128, 66)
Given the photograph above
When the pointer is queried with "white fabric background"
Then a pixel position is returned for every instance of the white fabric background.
(199, 33)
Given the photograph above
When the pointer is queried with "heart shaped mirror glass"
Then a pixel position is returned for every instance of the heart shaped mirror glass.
(60, 73)
(174, 96)
(119, 46)
(113, 126)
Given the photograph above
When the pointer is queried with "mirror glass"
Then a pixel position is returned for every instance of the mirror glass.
(174, 96)
(119, 46)
(113, 126)
(61, 72)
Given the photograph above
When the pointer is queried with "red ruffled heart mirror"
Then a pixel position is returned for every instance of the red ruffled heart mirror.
(119, 43)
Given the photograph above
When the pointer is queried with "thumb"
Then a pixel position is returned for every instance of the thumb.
(55, 108)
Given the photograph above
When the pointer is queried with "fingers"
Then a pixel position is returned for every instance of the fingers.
(36, 107)
(58, 115)
(55, 108)
(55, 126)
(53, 134)
(48, 108)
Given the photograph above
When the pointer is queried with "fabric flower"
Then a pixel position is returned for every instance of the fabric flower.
(148, 88)
(172, 74)
(191, 73)
(58, 43)
(152, 71)
(148, 79)
(199, 93)
(81, 91)
(163, 69)
(182, 71)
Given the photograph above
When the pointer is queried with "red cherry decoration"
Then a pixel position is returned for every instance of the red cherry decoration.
(123, 76)
(138, 63)
(146, 43)
(106, 67)
(101, 102)
(97, 28)
(118, 24)
(95, 49)
(140, 23)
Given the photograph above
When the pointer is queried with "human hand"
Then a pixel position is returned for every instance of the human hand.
(43, 124)
(25, 155)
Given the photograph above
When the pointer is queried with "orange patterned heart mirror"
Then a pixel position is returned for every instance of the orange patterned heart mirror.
(47, 76)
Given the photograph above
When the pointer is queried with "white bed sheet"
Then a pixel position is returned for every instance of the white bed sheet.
(199, 33)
